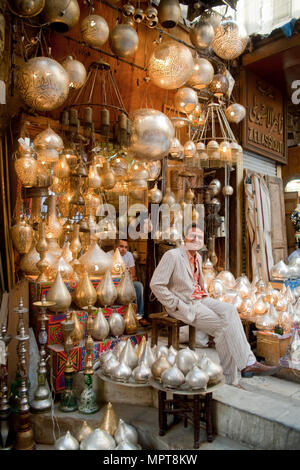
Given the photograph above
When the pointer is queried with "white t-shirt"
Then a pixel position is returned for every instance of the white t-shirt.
(128, 259)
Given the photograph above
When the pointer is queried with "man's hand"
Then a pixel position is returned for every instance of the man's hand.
(133, 273)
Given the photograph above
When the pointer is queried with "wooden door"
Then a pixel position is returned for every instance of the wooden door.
(278, 233)
(290, 202)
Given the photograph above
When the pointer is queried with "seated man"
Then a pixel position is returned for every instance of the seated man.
(178, 284)
(139, 288)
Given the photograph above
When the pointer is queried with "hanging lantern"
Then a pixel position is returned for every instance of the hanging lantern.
(175, 148)
(48, 144)
(43, 84)
(189, 149)
(151, 131)
(61, 168)
(123, 40)
(203, 73)
(61, 14)
(22, 236)
(169, 13)
(76, 71)
(230, 39)
(26, 167)
(155, 195)
(186, 100)
(170, 65)
(201, 35)
(26, 8)
(235, 113)
(94, 30)
(225, 151)
(219, 85)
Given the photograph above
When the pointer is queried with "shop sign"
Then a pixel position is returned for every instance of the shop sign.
(264, 126)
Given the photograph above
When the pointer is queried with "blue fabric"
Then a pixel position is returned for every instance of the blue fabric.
(288, 28)
(139, 290)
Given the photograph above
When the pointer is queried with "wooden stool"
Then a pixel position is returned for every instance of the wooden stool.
(193, 408)
(173, 325)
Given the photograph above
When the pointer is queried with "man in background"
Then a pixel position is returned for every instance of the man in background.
(128, 258)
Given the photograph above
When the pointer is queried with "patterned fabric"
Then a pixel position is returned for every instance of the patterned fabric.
(199, 289)
(173, 285)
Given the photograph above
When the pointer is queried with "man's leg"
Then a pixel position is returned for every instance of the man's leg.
(139, 290)
(211, 323)
(233, 332)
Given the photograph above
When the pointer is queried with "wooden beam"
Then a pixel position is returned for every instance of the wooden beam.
(271, 48)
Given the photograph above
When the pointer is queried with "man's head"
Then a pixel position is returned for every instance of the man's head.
(123, 246)
(194, 238)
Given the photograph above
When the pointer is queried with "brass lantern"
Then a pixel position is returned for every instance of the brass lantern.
(26, 8)
(94, 30)
(61, 14)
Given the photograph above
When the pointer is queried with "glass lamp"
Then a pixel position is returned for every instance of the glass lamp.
(219, 85)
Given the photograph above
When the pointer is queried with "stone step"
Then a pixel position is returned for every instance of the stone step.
(259, 419)
(145, 419)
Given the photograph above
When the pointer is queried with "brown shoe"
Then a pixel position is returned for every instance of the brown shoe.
(259, 369)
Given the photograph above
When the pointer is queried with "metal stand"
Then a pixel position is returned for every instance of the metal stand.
(6, 429)
(24, 437)
(42, 398)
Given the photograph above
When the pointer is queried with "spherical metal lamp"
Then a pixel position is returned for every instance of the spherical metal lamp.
(201, 35)
(76, 71)
(43, 83)
(203, 74)
(170, 65)
(235, 113)
(186, 100)
(123, 40)
(219, 85)
(151, 134)
(94, 30)
(230, 40)
(26, 8)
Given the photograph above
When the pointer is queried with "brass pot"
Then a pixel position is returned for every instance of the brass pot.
(106, 291)
(59, 294)
(29, 260)
(78, 332)
(118, 263)
(169, 13)
(43, 84)
(85, 293)
(26, 8)
(61, 14)
(130, 320)
(110, 420)
(95, 261)
(22, 236)
(126, 291)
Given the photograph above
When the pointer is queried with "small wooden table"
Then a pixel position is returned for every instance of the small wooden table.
(173, 326)
(194, 406)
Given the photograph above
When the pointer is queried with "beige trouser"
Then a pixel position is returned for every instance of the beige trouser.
(221, 320)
